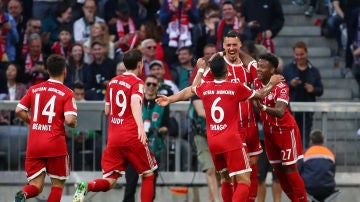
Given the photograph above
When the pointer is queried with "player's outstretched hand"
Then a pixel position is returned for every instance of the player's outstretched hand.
(162, 100)
(276, 78)
(201, 63)
(142, 135)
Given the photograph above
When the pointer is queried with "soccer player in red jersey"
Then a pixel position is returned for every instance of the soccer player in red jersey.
(225, 139)
(243, 70)
(50, 103)
(282, 137)
(127, 141)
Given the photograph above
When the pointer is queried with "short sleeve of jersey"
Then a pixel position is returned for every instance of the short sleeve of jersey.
(25, 101)
(107, 95)
(70, 107)
(245, 92)
(282, 93)
(138, 90)
(198, 89)
(252, 68)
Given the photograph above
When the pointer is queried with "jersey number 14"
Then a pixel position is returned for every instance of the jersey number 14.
(48, 109)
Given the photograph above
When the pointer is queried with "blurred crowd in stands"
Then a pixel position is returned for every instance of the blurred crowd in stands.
(94, 34)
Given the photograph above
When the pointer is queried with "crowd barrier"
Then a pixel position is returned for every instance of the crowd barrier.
(339, 122)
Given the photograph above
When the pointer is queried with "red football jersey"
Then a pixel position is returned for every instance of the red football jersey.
(49, 102)
(219, 98)
(238, 73)
(280, 93)
(122, 128)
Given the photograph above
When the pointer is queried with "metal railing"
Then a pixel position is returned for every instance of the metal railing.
(339, 122)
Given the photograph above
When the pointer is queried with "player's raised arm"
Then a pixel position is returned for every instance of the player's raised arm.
(263, 92)
(202, 66)
(184, 94)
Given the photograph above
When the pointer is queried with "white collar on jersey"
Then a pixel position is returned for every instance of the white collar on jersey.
(129, 73)
(229, 63)
(219, 81)
(55, 81)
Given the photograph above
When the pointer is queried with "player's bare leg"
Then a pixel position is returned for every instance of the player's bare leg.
(34, 188)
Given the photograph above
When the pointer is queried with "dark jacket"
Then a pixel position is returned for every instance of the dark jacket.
(96, 74)
(310, 75)
(268, 13)
(318, 167)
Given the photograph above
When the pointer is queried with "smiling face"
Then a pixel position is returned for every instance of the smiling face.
(232, 46)
(151, 86)
(77, 52)
(264, 70)
(300, 55)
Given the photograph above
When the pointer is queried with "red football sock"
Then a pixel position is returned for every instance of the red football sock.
(241, 193)
(297, 185)
(99, 185)
(284, 182)
(254, 182)
(227, 191)
(30, 191)
(147, 188)
(55, 194)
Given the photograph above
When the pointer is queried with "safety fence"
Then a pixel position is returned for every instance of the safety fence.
(339, 122)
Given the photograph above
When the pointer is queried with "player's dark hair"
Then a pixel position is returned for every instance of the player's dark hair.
(218, 67)
(272, 59)
(232, 34)
(55, 64)
(316, 136)
(131, 58)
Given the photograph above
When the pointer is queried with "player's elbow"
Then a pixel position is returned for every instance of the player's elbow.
(18, 111)
(71, 121)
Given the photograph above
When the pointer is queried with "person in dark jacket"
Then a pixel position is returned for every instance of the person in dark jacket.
(268, 18)
(305, 84)
(98, 74)
(318, 168)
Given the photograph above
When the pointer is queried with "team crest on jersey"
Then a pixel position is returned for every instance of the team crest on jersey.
(74, 103)
(154, 116)
(283, 93)
(270, 96)
(141, 88)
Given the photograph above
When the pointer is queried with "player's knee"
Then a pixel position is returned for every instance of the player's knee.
(148, 175)
(254, 159)
(243, 178)
(224, 174)
(290, 168)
